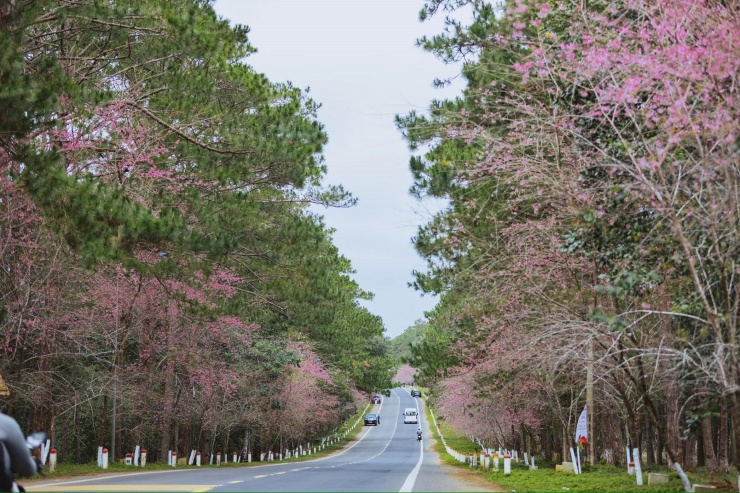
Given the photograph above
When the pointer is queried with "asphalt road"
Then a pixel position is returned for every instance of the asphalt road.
(383, 458)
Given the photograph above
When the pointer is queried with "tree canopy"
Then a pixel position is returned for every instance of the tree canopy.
(161, 268)
(591, 169)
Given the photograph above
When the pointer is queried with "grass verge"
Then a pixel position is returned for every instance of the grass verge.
(453, 439)
(598, 478)
(63, 470)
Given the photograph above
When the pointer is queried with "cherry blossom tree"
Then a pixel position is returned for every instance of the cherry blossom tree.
(160, 252)
(656, 77)
(590, 164)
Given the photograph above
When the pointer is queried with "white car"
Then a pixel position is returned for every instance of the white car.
(410, 416)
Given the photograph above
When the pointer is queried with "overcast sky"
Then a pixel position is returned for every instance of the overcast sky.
(360, 61)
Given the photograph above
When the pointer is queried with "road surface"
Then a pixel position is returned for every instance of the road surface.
(383, 458)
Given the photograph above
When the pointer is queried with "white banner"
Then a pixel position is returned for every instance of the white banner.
(582, 426)
(581, 437)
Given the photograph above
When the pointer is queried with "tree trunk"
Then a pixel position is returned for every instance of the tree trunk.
(649, 443)
(672, 434)
(556, 445)
(177, 446)
(248, 440)
(659, 452)
(660, 425)
(735, 418)
(226, 443)
(76, 435)
(169, 394)
(186, 432)
(707, 437)
(565, 445)
(102, 430)
(690, 461)
(723, 458)
(214, 437)
(168, 404)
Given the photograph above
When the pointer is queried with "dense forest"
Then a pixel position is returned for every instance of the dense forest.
(164, 282)
(590, 250)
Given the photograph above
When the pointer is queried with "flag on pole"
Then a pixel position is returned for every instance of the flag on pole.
(582, 432)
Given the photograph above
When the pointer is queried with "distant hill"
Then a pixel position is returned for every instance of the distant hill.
(400, 347)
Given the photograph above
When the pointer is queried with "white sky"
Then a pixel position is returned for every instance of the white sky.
(360, 61)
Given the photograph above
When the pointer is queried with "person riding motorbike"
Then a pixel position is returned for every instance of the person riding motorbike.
(418, 434)
(14, 454)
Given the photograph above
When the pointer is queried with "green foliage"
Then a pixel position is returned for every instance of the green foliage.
(595, 478)
(265, 132)
(271, 357)
(165, 140)
(27, 89)
(601, 478)
(578, 213)
(457, 440)
(430, 354)
(400, 346)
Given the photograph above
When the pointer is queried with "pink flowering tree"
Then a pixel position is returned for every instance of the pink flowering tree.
(157, 246)
(306, 405)
(590, 168)
(655, 81)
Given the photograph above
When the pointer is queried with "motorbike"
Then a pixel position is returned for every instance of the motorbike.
(418, 437)
(33, 441)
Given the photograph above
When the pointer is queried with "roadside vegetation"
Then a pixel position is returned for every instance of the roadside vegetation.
(587, 262)
(164, 282)
(598, 478)
(353, 427)
(400, 346)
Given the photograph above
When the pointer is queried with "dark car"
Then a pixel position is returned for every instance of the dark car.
(416, 393)
(376, 399)
(372, 419)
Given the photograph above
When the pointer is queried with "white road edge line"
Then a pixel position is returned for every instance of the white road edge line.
(408, 485)
(37, 486)
(341, 452)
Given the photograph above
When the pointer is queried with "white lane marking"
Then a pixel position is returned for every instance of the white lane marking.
(277, 464)
(395, 427)
(408, 485)
(101, 478)
(387, 444)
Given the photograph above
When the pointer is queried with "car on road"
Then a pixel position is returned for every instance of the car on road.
(372, 419)
(376, 399)
(416, 393)
(410, 416)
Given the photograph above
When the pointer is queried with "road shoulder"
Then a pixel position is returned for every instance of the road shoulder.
(460, 478)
